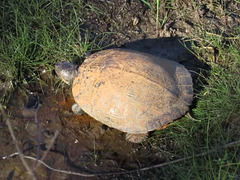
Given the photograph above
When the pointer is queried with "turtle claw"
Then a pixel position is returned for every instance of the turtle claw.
(77, 110)
(136, 138)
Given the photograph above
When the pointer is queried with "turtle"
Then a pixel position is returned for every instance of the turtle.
(131, 91)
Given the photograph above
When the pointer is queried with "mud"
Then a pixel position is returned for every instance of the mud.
(83, 145)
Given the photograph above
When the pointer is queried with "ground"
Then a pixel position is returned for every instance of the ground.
(84, 144)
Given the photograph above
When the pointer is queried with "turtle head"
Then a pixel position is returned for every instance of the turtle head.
(66, 71)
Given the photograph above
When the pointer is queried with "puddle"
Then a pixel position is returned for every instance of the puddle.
(83, 145)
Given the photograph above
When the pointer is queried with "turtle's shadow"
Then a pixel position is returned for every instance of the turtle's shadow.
(170, 48)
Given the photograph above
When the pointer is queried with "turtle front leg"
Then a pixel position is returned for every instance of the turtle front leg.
(136, 138)
(77, 109)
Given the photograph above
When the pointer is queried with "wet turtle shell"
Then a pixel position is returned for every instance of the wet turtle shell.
(132, 91)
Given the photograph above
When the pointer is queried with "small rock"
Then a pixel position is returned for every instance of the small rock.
(136, 21)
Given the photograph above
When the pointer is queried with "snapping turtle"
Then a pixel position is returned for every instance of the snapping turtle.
(128, 90)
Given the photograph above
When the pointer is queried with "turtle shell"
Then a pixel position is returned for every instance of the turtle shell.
(132, 91)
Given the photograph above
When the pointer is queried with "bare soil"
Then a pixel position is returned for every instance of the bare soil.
(84, 144)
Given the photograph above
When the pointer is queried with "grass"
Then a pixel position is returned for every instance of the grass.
(156, 13)
(215, 119)
(34, 35)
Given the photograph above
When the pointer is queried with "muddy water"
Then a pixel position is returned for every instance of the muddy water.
(83, 145)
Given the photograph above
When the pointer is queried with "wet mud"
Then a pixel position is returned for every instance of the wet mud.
(83, 145)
